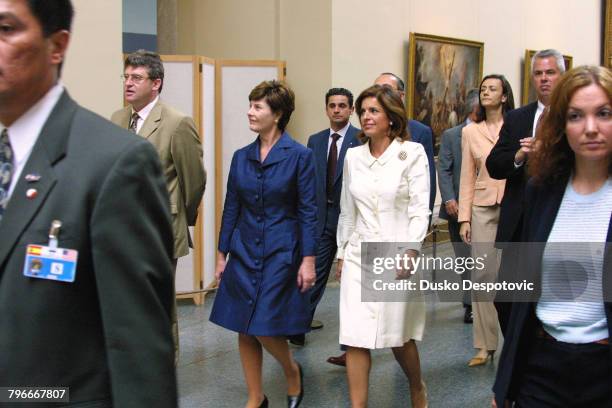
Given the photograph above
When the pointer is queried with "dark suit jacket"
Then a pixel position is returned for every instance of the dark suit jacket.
(539, 217)
(422, 134)
(449, 166)
(318, 144)
(106, 335)
(518, 124)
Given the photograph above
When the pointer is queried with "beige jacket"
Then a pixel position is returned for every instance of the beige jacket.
(176, 140)
(476, 187)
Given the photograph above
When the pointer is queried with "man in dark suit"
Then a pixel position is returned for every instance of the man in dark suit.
(449, 173)
(329, 148)
(418, 131)
(92, 314)
(509, 157)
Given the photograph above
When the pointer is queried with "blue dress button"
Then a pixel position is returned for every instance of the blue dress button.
(250, 302)
(259, 218)
(254, 281)
(257, 262)
(256, 197)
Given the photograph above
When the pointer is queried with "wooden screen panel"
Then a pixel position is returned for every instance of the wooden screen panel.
(234, 81)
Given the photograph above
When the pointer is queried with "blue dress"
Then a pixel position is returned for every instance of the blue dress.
(268, 226)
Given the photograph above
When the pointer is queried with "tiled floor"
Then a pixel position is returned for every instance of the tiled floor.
(210, 375)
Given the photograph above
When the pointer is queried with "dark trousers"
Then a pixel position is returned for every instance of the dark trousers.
(461, 250)
(508, 271)
(326, 252)
(564, 375)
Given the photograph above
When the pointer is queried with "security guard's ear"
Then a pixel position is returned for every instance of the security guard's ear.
(57, 46)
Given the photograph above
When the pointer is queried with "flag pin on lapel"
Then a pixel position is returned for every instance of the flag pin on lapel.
(31, 178)
(31, 193)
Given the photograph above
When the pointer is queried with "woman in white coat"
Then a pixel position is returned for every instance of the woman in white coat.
(385, 196)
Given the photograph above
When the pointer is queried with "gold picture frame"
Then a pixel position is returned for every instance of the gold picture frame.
(441, 71)
(607, 34)
(528, 94)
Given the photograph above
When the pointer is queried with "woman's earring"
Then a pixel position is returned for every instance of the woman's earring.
(390, 123)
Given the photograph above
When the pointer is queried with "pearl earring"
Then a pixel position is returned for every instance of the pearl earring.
(390, 123)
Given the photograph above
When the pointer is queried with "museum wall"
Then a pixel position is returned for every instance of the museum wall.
(376, 39)
(94, 62)
(348, 42)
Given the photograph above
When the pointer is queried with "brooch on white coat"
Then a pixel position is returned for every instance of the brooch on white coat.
(32, 178)
(402, 155)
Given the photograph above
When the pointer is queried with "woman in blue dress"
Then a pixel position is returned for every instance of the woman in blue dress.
(268, 230)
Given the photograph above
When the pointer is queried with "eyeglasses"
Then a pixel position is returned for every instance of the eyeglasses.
(135, 78)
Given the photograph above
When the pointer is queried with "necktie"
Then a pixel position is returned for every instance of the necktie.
(332, 161)
(6, 169)
(134, 122)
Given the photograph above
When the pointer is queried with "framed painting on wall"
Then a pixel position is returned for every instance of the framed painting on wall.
(441, 71)
(607, 33)
(528, 94)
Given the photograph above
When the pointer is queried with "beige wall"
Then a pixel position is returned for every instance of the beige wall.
(229, 29)
(348, 42)
(375, 39)
(306, 46)
(94, 61)
(297, 32)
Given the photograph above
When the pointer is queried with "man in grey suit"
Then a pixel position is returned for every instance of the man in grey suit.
(449, 172)
(86, 240)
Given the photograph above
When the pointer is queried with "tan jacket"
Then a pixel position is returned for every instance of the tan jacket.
(476, 187)
(176, 140)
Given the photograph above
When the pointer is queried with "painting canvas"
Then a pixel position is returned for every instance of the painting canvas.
(441, 71)
(528, 94)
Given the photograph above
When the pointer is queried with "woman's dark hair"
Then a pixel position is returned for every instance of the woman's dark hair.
(279, 97)
(553, 159)
(506, 91)
(393, 106)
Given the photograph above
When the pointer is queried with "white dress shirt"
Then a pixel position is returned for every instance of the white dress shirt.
(144, 113)
(536, 118)
(342, 133)
(24, 132)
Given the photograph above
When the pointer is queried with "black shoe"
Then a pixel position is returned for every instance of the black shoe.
(264, 403)
(468, 317)
(296, 400)
(297, 339)
(316, 325)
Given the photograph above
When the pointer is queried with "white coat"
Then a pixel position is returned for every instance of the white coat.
(383, 199)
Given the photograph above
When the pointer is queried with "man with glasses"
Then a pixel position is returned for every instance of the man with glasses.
(176, 140)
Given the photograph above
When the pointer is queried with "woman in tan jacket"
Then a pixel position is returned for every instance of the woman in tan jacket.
(479, 199)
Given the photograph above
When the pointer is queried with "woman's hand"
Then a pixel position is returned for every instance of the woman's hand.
(220, 267)
(465, 232)
(507, 404)
(405, 271)
(339, 269)
(306, 274)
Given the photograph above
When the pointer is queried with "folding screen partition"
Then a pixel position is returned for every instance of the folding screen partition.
(182, 91)
(215, 95)
(234, 81)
